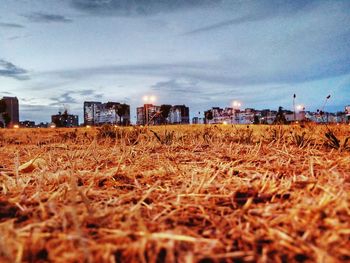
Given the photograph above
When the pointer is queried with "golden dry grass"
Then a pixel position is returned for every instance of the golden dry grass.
(175, 194)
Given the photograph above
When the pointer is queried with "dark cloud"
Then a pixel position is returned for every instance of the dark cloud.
(138, 7)
(11, 25)
(86, 92)
(7, 69)
(68, 97)
(17, 37)
(63, 99)
(39, 17)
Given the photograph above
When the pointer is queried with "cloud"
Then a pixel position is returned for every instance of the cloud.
(6, 93)
(7, 69)
(184, 86)
(252, 11)
(68, 97)
(138, 8)
(86, 92)
(62, 99)
(18, 37)
(218, 72)
(39, 17)
(11, 25)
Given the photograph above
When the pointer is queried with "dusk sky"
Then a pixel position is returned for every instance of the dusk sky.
(201, 53)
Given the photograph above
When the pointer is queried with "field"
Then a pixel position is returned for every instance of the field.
(216, 193)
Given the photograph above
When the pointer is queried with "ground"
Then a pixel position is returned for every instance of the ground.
(215, 193)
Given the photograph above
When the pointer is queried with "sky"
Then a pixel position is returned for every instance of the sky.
(201, 53)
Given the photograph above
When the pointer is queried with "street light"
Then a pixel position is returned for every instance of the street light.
(152, 98)
(148, 99)
(300, 107)
(236, 104)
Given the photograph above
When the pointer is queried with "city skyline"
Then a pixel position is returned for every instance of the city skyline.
(197, 53)
(97, 113)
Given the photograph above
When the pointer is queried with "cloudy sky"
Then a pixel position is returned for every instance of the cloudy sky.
(202, 53)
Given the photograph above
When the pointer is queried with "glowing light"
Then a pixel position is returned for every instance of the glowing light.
(236, 104)
(88, 126)
(225, 123)
(52, 126)
(15, 126)
(152, 99)
(300, 107)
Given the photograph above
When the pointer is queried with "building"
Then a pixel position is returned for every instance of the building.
(197, 120)
(217, 115)
(2, 122)
(347, 114)
(97, 113)
(179, 114)
(150, 114)
(267, 116)
(27, 124)
(298, 116)
(65, 120)
(90, 112)
(12, 108)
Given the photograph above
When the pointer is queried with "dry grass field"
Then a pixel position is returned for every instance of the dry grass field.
(175, 194)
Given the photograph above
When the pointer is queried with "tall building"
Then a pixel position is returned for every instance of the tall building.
(179, 114)
(12, 109)
(90, 112)
(148, 115)
(97, 113)
(152, 115)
